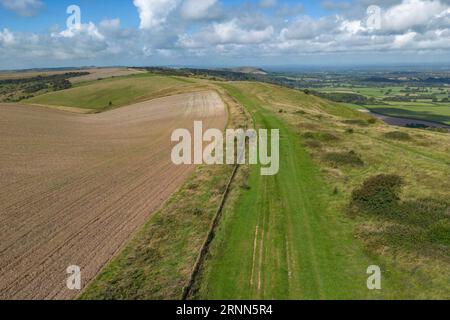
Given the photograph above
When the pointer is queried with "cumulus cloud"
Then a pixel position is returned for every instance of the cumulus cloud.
(306, 27)
(88, 30)
(410, 14)
(254, 30)
(24, 8)
(199, 9)
(154, 13)
(229, 32)
(6, 38)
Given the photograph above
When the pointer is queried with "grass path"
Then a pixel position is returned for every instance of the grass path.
(281, 241)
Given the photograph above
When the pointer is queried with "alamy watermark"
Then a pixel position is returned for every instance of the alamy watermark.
(74, 20)
(228, 148)
(374, 280)
(374, 18)
(73, 281)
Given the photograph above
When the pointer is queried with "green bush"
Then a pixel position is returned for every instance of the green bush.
(321, 136)
(357, 122)
(398, 135)
(423, 212)
(439, 232)
(381, 192)
(313, 144)
(350, 158)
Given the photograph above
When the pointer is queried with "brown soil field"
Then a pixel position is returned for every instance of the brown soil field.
(103, 73)
(95, 73)
(74, 187)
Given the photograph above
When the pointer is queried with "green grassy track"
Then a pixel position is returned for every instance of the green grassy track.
(281, 241)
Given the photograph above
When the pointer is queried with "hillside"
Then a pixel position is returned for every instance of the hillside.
(300, 235)
(251, 70)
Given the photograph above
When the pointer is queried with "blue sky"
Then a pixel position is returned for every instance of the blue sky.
(33, 33)
(53, 13)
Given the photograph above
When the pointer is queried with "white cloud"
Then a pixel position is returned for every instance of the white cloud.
(306, 27)
(190, 31)
(154, 13)
(229, 32)
(24, 8)
(110, 24)
(403, 39)
(411, 13)
(89, 30)
(352, 27)
(198, 9)
(6, 38)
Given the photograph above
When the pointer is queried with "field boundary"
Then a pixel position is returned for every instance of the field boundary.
(215, 223)
(209, 238)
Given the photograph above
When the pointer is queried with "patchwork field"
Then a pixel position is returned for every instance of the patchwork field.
(75, 187)
(424, 103)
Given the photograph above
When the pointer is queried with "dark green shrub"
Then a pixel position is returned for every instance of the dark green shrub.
(377, 193)
(350, 130)
(321, 136)
(372, 121)
(423, 212)
(350, 158)
(398, 135)
(313, 144)
(439, 232)
(356, 122)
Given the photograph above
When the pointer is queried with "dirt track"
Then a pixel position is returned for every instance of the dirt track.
(74, 187)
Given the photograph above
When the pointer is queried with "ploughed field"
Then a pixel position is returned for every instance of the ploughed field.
(74, 187)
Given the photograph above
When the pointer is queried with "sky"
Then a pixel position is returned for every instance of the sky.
(218, 33)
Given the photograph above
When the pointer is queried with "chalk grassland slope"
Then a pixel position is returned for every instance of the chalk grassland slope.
(157, 262)
(75, 187)
(281, 239)
(290, 236)
(111, 93)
